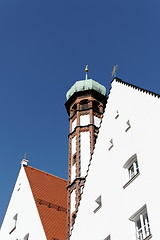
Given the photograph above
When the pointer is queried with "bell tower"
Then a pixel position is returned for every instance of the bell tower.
(86, 101)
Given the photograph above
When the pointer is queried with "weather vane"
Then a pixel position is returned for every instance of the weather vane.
(86, 70)
(114, 70)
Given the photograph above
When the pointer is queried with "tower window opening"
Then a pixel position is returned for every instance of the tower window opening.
(96, 105)
(95, 137)
(84, 104)
(73, 110)
(73, 217)
(74, 159)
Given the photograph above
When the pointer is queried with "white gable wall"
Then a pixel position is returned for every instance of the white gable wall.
(107, 176)
(28, 220)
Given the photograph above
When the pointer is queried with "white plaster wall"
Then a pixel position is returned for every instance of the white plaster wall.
(97, 121)
(85, 152)
(107, 176)
(73, 201)
(73, 172)
(74, 124)
(28, 220)
(73, 146)
(84, 120)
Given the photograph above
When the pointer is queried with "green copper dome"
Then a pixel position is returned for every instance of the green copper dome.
(84, 85)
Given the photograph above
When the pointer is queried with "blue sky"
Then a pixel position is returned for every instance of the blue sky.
(44, 47)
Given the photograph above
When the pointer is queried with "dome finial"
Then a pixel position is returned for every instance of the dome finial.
(86, 70)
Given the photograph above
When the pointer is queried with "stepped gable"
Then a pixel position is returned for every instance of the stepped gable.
(137, 88)
(50, 196)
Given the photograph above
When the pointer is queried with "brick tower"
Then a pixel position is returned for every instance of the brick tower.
(85, 106)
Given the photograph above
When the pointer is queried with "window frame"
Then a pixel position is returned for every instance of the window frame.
(132, 167)
(142, 225)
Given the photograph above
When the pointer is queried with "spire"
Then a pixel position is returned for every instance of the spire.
(86, 70)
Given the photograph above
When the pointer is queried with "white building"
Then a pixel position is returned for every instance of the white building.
(112, 192)
(121, 196)
(37, 208)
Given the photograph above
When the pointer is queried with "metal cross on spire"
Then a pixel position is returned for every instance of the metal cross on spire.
(86, 70)
(114, 70)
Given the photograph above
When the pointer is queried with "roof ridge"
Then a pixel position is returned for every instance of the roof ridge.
(136, 87)
(36, 169)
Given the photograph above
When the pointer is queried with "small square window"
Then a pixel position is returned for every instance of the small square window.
(108, 238)
(99, 202)
(128, 126)
(142, 226)
(111, 144)
(26, 237)
(14, 223)
(19, 187)
(117, 115)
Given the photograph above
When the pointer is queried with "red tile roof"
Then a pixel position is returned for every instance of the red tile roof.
(50, 195)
